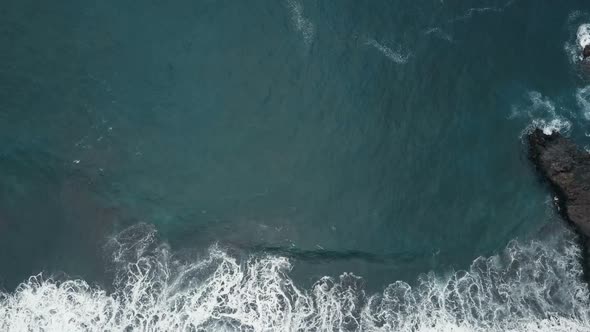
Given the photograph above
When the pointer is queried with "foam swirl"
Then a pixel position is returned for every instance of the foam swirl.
(528, 287)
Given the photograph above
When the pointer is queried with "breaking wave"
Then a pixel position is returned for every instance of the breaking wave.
(583, 35)
(542, 113)
(535, 286)
(574, 47)
(549, 126)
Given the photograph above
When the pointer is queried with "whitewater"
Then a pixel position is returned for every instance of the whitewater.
(532, 286)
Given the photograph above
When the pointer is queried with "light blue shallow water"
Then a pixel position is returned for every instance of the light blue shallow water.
(382, 139)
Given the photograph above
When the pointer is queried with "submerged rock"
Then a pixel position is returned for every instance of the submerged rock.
(567, 169)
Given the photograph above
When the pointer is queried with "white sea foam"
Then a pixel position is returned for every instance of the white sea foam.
(550, 126)
(582, 38)
(528, 287)
(542, 113)
(302, 24)
(583, 35)
(469, 13)
(540, 103)
(583, 100)
(439, 33)
(395, 56)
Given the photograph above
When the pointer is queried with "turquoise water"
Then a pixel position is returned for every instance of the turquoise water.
(270, 145)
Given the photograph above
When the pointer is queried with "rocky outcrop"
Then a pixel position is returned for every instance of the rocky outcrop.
(586, 52)
(567, 169)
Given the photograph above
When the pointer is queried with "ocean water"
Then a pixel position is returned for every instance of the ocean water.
(287, 165)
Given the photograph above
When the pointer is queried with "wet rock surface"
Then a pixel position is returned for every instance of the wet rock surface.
(567, 169)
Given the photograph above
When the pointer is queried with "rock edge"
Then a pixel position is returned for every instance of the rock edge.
(567, 169)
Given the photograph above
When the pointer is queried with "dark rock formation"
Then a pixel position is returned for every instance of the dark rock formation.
(586, 52)
(567, 169)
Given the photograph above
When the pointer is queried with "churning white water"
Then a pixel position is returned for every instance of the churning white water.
(528, 287)
(542, 113)
(574, 47)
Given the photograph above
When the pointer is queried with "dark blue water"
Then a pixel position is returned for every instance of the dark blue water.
(382, 139)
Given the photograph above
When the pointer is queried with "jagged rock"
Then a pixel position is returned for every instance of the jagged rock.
(567, 169)
(586, 52)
